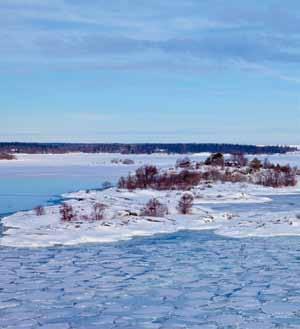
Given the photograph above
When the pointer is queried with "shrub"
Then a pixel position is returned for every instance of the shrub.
(143, 178)
(183, 162)
(212, 174)
(145, 175)
(7, 156)
(215, 159)
(39, 211)
(185, 203)
(98, 211)
(67, 212)
(150, 177)
(183, 180)
(279, 176)
(255, 164)
(154, 208)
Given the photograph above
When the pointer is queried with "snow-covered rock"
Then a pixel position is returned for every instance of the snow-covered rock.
(123, 220)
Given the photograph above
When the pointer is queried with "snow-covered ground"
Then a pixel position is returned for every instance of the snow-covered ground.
(122, 216)
(123, 220)
(95, 159)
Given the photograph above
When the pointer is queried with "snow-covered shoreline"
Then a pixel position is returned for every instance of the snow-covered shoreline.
(122, 222)
(123, 217)
(94, 159)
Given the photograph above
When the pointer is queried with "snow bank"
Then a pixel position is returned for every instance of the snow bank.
(123, 221)
(25, 229)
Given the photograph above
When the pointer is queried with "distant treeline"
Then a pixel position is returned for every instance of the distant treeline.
(146, 148)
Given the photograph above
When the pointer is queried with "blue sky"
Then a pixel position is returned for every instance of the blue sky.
(150, 71)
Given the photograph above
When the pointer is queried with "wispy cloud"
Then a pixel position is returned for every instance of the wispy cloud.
(179, 35)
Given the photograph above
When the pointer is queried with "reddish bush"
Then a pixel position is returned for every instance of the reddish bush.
(150, 177)
(255, 164)
(39, 211)
(7, 156)
(280, 176)
(143, 178)
(215, 159)
(67, 212)
(183, 180)
(185, 203)
(154, 209)
(183, 163)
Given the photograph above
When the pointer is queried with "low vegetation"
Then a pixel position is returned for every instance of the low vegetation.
(149, 177)
(185, 203)
(154, 208)
(67, 213)
(7, 156)
(188, 174)
(183, 177)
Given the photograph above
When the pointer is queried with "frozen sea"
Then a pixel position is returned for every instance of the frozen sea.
(181, 280)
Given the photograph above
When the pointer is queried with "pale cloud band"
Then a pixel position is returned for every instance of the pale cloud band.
(182, 35)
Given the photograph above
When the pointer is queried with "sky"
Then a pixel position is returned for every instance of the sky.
(150, 71)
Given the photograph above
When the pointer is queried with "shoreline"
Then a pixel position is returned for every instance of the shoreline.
(25, 229)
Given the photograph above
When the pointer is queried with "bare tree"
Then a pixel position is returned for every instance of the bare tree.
(185, 203)
(154, 209)
(145, 175)
(67, 212)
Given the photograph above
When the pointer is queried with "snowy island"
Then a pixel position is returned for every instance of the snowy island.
(153, 200)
